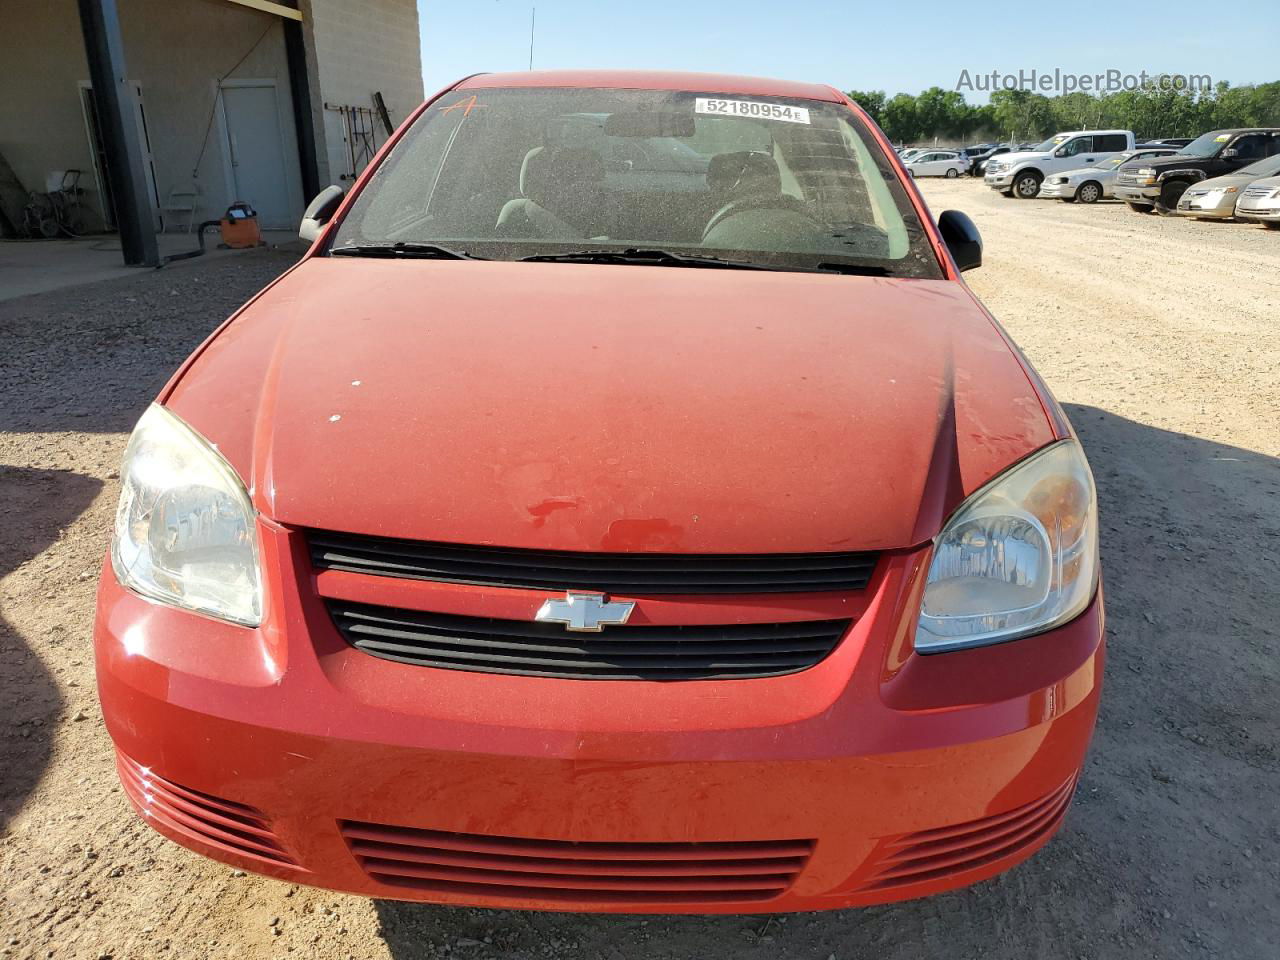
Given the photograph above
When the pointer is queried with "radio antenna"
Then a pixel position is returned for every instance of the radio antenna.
(533, 23)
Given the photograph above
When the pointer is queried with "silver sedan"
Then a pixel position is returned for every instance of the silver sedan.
(1215, 199)
(1091, 184)
(1260, 202)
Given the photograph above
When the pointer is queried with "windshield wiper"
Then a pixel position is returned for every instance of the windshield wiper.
(402, 248)
(662, 258)
(665, 258)
(854, 269)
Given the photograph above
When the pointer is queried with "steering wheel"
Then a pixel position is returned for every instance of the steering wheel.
(776, 201)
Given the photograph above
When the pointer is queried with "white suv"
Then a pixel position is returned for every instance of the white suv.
(1020, 174)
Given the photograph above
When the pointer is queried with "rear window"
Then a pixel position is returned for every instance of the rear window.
(507, 173)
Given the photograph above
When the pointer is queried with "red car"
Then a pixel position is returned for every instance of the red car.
(623, 506)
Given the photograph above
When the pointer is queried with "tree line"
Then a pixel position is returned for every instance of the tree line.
(1018, 115)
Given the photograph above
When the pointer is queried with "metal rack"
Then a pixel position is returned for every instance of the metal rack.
(360, 131)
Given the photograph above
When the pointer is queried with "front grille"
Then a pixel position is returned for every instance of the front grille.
(229, 826)
(586, 872)
(529, 648)
(1257, 191)
(940, 853)
(633, 574)
(1129, 179)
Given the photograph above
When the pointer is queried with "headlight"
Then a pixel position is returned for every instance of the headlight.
(185, 532)
(1019, 557)
(1057, 179)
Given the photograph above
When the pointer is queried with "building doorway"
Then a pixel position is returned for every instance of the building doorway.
(260, 172)
(101, 174)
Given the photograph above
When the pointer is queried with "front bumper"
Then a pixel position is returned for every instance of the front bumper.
(1132, 194)
(998, 181)
(1057, 191)
(1213, 206)
(876, 775)
(1262, 210)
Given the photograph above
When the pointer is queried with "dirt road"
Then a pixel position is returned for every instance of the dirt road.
(1163, 340)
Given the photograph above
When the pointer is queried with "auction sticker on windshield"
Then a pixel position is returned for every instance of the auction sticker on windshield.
(751, 108)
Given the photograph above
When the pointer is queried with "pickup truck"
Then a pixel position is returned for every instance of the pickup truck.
(1020, 174)
(1158, 185)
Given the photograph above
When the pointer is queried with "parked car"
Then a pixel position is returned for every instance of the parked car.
(910, 152)
(1174, 141)
(1020, 174)
(1215, 198)
(1091, 184)
(978, 164)
(938, 163)
(1159, 184)
(1260, 202)
(534, 544)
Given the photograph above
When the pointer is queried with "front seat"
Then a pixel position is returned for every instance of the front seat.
(754, 210)
(746, 180)
(559, 195)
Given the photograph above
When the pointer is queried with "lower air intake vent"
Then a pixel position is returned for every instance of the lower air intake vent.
(936, 854)
(528, 648)
(516, 868)
(232, 827)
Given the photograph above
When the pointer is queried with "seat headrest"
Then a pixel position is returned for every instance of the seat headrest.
(552, 169)
(744, 173)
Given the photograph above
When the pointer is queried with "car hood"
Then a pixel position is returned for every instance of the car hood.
(1017, 157)
(1226, 180)
(1092, 173)
(1161, 163)
(610, 407)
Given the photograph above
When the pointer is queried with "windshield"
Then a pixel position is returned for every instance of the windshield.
(1206, 145)
(1268, 167)
(1049, 144)
(1118, 159)
(511, 173)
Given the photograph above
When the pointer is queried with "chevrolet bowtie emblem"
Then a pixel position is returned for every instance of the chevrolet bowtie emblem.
(585, 612)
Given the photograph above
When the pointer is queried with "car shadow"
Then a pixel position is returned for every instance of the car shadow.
(1191, 553)
(35, 506)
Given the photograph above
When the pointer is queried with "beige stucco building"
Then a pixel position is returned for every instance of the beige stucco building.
(228, 100)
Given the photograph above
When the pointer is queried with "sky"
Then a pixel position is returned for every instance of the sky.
(864, 45)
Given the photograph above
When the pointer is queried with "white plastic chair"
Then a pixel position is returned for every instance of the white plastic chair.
(182, 200)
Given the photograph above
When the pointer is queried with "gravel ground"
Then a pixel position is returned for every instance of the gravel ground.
(1161, 339)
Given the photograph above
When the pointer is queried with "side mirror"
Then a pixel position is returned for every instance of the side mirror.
(1230, 152)
(961, 238)
(319, 212)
